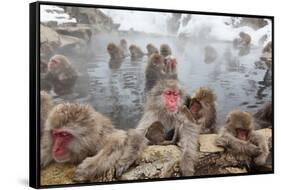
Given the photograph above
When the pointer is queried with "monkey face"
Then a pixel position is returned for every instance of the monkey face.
(242, 134)
(61, 141)
(171, 99)
(53, 64)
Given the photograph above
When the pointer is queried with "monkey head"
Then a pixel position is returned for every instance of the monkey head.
(112, 48)
(204, 97)
(69, 125)
(57, 63)
(167, 96)
(170, 61)
(165, 50)
(123, 43)
(156, 60)
(240, 124)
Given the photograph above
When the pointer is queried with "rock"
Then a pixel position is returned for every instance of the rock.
(56, 173)
(94, 17)
(80, 31)
(155, 162)
(163, 162)
(50, 36)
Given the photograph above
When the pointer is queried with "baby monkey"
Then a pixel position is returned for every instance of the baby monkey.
(239, 138)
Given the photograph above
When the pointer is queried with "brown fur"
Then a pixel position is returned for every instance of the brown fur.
(97, 146)
(115, 52)
(151, 49)
(188, 131)
(136, 52)
(63, 76)
(46, 104)
(165, 50)
(263, 117)
(207, 115)
(254, 147)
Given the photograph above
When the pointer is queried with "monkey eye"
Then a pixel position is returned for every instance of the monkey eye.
(54, 61)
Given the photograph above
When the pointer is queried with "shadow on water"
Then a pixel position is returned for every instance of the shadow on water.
(116, 89)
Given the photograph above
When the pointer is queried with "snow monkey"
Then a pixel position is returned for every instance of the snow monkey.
(78, 134)
(151, 49)
(165, 103)
(203, 108)
(115, 52)
(136, 52)
(239, 137)
(159, 68)
(61, 74)
(165, 50)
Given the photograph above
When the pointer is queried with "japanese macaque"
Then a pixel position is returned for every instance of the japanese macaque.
(170, 67)
(46, 104)
(210, 54)
(165, 103)
(263, 117)
(61, 74)
(203, 108)
(155, 133)
(153, 71)
(239, 137)
(136, 52)
(115, 52)
(77, 134)
(244, 40)
(165, 50)
(151, 49)
(159, 68)
(124, 46)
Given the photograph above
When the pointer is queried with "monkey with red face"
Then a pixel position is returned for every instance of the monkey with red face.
(165, 103)
(77, 134)
(61, 74)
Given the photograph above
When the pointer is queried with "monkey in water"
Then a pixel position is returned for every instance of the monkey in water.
(78, 134)
(151, 49)
(239, 137)
(136, 52)
(46, 104)
(165, 50)
(159, 68)
(244, 41)
(115, 52)
(164, 103)
(202, 105)
(61, 74)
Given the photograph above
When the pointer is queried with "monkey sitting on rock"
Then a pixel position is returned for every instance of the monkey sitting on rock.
(239, 138)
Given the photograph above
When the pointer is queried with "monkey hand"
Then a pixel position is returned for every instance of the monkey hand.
(253, 150)
(120, 168)
(221, 142)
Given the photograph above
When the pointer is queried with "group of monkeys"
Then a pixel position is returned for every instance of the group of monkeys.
(78, 134)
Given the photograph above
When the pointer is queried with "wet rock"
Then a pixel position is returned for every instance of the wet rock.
(80, 31)
(94, 17)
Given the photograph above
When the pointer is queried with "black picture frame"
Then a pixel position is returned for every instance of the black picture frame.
(34, 91)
